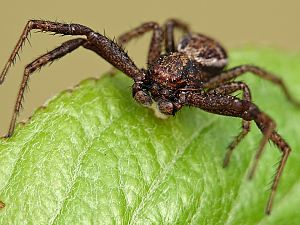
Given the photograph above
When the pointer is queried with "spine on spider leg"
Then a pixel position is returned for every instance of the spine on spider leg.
(15, 51)
(60, 28)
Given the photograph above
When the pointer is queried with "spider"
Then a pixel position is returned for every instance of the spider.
(192, 73)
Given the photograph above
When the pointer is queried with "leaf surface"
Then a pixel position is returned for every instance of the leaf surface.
(94, 156)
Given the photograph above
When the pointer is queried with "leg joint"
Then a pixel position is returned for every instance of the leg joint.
(251, 113)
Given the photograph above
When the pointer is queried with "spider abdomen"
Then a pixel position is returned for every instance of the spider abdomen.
(204, 50)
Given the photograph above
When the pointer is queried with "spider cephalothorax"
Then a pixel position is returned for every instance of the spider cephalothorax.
(191, 74)
(198, 58)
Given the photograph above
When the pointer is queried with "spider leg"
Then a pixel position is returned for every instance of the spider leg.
(41, 61)
(169, 33)
(226, 89)
(237, 71)
(232, 106)
(107, 49)
(56, 53)
(156, 41)
(285, 149)
(268, 130)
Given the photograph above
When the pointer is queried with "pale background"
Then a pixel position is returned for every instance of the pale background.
(233, 22)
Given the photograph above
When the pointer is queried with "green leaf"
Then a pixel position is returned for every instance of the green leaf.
(94, 156)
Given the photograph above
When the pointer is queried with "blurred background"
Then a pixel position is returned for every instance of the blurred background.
(233, 22)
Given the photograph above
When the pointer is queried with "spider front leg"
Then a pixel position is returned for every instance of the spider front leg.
(106, 48)
(226, 89)
(59, 52)
(240, 70)
(46, 26)
(96, 42)
(232, 106)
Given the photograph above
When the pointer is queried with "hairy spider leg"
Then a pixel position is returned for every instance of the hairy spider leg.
(156, 40)
(58, 52)
(229, 88)
(285, 149)
(100, 44)
(240, 70)
(169, 33)
(226, 89)
(15, 51)
(157, 37)
(108, 49)
(232, 106)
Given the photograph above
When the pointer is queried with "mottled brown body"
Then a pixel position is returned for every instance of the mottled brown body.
(191, 73)
(197, 59)
(204, 50)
